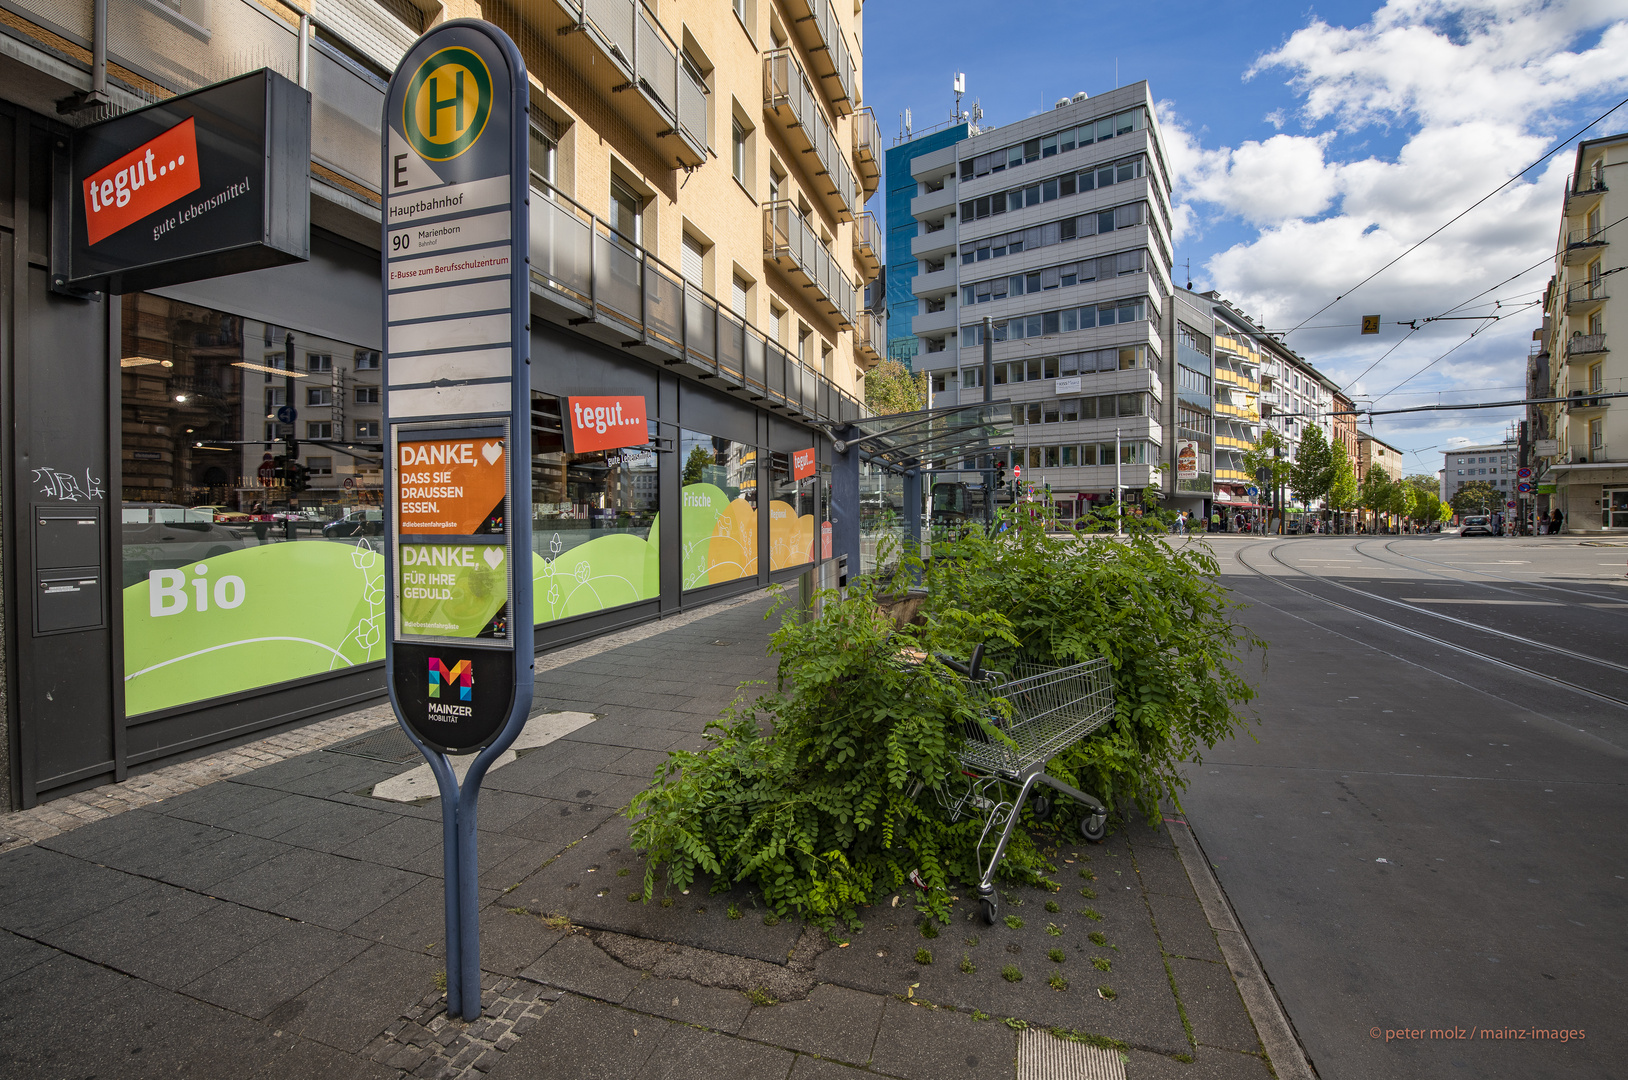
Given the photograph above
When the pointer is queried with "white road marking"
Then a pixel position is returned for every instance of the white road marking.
(1455, 600)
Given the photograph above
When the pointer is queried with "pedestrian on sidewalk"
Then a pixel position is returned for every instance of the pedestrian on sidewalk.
(1556, 519)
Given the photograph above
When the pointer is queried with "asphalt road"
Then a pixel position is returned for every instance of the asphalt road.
(1426, 836)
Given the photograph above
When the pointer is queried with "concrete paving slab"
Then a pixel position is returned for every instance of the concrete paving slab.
(705, 1006)
(415, 920)
(214, 804)
(18, 954)
(1207, 1064)
(560, 824)
(832, 1022)
(922, 1043)
(276, 818)
(588, 884)
(32, 869)
(334, 826)
(688, 1054)
(348, 891)
(1183, 929)
(396, 844)
(203, 868)
(279, 968)
(577, 965)
(265, 885)
(813, 1068)
(192, 949)
(128, 923)
(29, 996)
(584, 1040)
(1213, 1006)
(125, 839)
(88, 891)
(510, 943)
(348, 1007)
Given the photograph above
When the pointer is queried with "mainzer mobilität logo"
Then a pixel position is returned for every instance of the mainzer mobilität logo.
(145, 180)
(461, 675)
(447, 104)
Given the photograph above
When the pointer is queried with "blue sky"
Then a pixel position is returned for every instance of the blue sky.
(1312, 144)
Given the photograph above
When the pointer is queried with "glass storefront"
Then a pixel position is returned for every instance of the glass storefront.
(595, 521)
(720, 492)
(253, 559)
(243, 566)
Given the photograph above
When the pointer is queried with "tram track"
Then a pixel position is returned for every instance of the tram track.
(1520, 669)
(1619, 597)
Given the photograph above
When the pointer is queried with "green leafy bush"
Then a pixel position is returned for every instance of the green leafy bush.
(820, 793)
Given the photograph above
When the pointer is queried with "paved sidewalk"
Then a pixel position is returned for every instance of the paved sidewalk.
(282, 922)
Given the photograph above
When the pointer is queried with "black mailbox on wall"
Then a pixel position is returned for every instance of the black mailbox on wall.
(69, 569)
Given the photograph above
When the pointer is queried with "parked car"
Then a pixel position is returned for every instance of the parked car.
(1478, 525)
(356, 523)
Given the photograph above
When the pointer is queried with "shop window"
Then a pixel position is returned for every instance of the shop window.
(594, 517)
(239, 571)
(719, 480)
(793, 515)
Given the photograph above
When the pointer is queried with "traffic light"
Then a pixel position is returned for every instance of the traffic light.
(1000, 474)
(300, 478)
(279, 469)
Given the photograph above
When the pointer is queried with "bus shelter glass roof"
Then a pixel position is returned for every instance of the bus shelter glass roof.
(931, 438)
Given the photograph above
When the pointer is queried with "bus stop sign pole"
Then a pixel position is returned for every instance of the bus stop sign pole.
(457, 411)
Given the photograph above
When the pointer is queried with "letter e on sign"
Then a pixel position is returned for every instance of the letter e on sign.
(605, 423)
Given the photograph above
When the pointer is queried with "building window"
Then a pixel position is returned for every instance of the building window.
(367, 360)
(1596, 434)
(719, 478)
(319, 396)
(320, 466)
(319, 429)
(737, 148)
(367, 429)
(545, 142)
(367, 395)
(592, 518)
(625, 220)
(319, 362)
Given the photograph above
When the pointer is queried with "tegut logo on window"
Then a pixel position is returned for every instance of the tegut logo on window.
(167, 592)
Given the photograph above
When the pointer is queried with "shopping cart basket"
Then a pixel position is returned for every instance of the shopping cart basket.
(1050, 710)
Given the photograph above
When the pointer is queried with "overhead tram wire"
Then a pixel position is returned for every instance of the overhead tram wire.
(1551, 153)
(1495, 320)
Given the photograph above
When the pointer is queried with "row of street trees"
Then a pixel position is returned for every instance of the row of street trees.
(1322, 470)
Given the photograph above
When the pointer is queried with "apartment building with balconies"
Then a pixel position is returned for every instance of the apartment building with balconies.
(1581, 356)
(1056, 229)
(698, 236)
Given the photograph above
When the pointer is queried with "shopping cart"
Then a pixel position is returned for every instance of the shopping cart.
(1050, 710)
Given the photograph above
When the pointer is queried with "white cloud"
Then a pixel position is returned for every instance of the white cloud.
(1478, 89)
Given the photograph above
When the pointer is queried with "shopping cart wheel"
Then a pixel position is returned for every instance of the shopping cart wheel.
(991, 908)
(1041, 808)
(1094, 827)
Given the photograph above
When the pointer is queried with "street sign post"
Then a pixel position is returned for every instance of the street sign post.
(457, 407)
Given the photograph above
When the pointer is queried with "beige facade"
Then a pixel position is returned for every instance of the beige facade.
(1589, 469)
(771, 202)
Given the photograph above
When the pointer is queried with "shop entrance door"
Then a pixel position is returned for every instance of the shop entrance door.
(1616, 509)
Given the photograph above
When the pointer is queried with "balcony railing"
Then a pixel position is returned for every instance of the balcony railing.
(868, 243)
(646, 59)
(789, 242)
(789, 97)
(190, 44)
(817, 25)
(1585, 297)
(580, 263)
(1585, 345)
(867, 340)
(867, 150)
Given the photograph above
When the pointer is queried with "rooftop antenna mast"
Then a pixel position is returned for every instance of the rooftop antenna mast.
(960, 83)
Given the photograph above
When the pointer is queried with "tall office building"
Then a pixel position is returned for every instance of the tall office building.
(1585, 467)
(1057, 227)
(900, 271)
